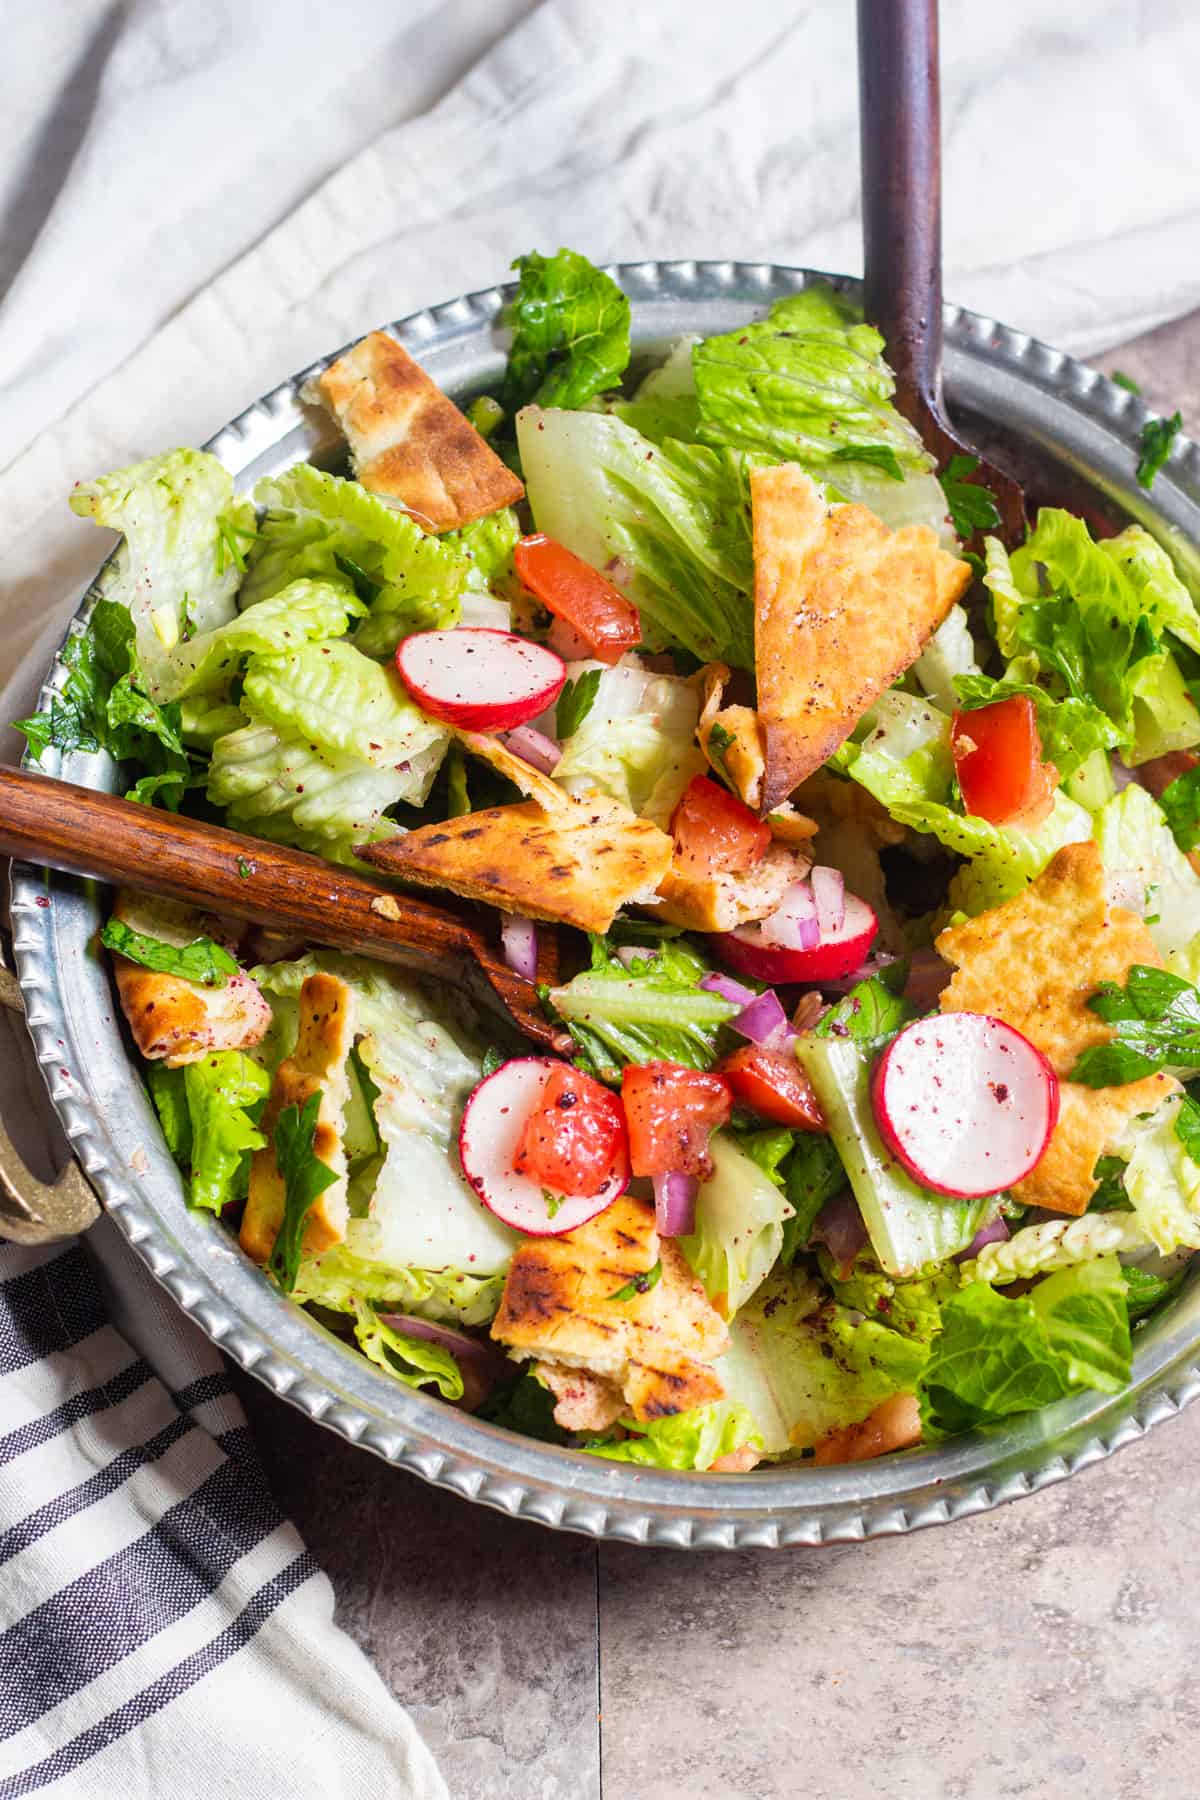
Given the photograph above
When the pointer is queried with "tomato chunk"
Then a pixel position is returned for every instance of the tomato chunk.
(574, 1143)
(670, 1112)
(772, 1084)
(715, 834)
(598, 613)
(998, 761)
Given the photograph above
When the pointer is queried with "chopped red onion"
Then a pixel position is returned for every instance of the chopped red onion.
(839, 1226)
(793, 924)
(782, 1037)
(519, 937)
(631, 953)
(829, 897)
(675, 1203)
(764, 1018)
(457, 1342)
(994, 1232)
(728, 988)
(534, 747)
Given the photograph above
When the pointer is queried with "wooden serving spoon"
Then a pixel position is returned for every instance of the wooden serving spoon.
(901, 157)
(82, 832)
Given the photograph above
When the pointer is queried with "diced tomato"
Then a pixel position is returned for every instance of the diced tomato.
(998, 761)
(575, 1141)
(670, 1112)
(772, 1084)
(715, 834)
(579, 595)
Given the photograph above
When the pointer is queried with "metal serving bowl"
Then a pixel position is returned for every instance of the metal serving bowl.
(1075, 422)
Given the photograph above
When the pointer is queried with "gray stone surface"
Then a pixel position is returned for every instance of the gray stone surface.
(1039, 1652)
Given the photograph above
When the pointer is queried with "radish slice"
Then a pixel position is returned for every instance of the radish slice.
(829, 897)
(965, 1103)
(479, 679)
(793, 925)
(778, 959)
(491, 1128)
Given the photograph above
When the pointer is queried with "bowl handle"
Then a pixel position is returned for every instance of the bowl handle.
(33, 1211)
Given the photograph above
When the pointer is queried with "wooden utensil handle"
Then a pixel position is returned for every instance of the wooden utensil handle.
(901, 150)
(84, 832)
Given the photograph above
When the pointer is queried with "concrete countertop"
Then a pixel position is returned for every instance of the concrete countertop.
(1039, 1651)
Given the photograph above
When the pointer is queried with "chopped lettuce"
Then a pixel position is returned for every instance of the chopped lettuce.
(687, 1440)
(664, 404)
(651, 1010)
(669, 524)
(174, 571)
(636, 741)
(340, 1276)
(996, 1356)
(1056, 1244)
(947, 660)
(302, 611)
(345, 704)
(908, 1226)
(323, 527)
(913, 1308)
(225, 1095)
(487, 546)
(1161, 1179)
(414, 1361)
(738, 1235)
(570, 326)
(1136, 844)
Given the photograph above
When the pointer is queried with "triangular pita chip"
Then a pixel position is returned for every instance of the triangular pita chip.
(551, 857)
(723, 902)
(408, 441)
(560, 1308)
(318, 1065)
(842, 606)
(1090, 1120)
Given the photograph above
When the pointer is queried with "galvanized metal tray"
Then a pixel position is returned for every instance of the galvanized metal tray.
(1034, 396)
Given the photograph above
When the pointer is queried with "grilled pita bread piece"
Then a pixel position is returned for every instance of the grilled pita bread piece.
(550, 856)
(724, 901)
(318, 1065)
(408, 441)
(842, 606)
(731, 737)
(1035, 962)
(560, 1310)
(177, 1021)
(583, 1402)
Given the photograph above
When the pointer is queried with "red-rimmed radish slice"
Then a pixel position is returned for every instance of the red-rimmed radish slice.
(778, 955)
(493, 1122)
(965, 1103)
(479, 679)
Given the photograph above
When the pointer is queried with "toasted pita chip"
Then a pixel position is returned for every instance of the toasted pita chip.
(318, 1065)
(731, 737)
(1090, 1120)
(177, 1021)
(408, 441)
(1035, 962)
(722, 902)
(583, 1401)
(841, 605)
(560, 1309)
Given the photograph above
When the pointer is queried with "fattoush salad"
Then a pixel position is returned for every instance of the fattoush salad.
(868, 845)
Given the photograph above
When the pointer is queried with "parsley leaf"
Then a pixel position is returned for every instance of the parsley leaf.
(1157, 1020)
(718, 742)
(553, 1202)
(972, 506)
(201, 960)
(1120, 379)
(1187, 1127)
(875, 1008)
(641, 1284)
(230, 537)
(881, 455)
(305, 1178)
(493, 1059)
(1181, 803)
(575, 702)
(1157, 437)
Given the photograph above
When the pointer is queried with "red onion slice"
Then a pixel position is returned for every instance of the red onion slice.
(763, 1019)
(457, 1342)
(519, 937)
(994, 1232)
(675, 1203)
(534, 747)
(793, 924)
(729, 989)
(829, 898)
(839, 1226)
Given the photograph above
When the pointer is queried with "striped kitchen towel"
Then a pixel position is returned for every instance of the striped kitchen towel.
(163, 1631)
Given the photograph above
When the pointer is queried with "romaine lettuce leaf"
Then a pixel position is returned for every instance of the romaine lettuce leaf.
(174, 571)
(1161, 1179)
(342, 702)
(414, 1361)
(637, 740)
(570, 325)
(687, 1440)
(225, 1094)
(664, 404)
(948, 660)
(649, 1010)
(997, 1356)
(452, 1296)
(302, 611)
(487, 546)
(668, 523)
(740, 1215)
(1137, 844)
(1056, 1244)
